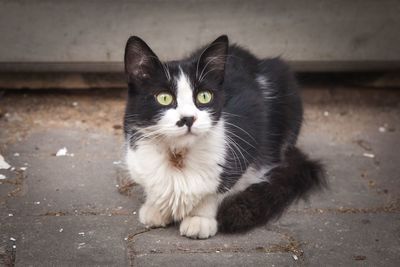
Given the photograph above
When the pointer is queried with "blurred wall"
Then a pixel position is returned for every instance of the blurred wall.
(316, 35)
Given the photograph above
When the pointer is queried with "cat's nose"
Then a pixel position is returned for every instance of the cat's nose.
(188, 121)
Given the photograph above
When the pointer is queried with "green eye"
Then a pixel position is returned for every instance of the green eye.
(164, 99)
(204, 97)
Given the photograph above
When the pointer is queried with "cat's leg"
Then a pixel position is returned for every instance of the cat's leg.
(151, 217)
(201, 222)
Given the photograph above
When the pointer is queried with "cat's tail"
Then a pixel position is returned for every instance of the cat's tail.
(294, 179)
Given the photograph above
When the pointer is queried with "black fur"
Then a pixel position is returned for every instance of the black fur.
(259, 101)
(270, 118)
(295, 178)
(147, 76)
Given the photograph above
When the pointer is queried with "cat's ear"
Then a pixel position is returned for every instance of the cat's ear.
(140, 61)
(211, 63)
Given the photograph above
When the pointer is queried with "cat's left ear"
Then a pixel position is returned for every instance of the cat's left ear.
(141, 63)
(211, 64)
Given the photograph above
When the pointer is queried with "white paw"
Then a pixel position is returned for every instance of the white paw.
(198, 227)
(151, 217)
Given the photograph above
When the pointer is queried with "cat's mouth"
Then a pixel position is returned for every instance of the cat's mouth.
(189, 132)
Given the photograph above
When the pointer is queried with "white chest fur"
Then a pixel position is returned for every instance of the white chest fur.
(175, 186)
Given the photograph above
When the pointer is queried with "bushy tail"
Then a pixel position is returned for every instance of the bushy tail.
(259, 203)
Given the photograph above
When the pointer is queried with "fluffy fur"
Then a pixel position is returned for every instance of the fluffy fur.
(232, 159)
(257, 204)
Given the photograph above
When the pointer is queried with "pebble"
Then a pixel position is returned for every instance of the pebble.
(3, 163)
(62, 152)
(369, 155)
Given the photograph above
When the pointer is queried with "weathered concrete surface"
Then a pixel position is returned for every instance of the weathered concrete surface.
(69, 211)
(70, 240)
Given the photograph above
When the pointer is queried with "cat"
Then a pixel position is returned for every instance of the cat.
(211, 138)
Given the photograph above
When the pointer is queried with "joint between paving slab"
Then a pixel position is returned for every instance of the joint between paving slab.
(292, 247)
(18, 181)
(392, 207)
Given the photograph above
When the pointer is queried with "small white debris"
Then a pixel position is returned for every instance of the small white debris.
(13, 239)
(295, 257)
(217, 251)
(134, 213)
(117, 185)
(16, 154)
(61, 230)
(117, 162)
(81, 233)
(23, 168)
(75, 104)
(36, 202)
(12, 169)
(10, 215)
(369, 155)
(80, 245)
(382, 129)
(63, 152)
(14, 246)
(2, 176)
(125, 238)
(326, 113)
(3, 163)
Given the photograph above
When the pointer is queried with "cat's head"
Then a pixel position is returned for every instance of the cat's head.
(178, 102)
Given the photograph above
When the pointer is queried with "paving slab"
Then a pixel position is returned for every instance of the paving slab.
(346, 239)
(68, 240)
(260, 246)
(216, 259)
(82, 181)
(68, 210)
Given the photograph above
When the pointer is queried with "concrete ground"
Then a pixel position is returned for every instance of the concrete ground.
(79, 209)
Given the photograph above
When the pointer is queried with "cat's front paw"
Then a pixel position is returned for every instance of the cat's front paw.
(198, 227)
(151, 217)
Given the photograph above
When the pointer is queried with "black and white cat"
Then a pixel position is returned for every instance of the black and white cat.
(211, 138)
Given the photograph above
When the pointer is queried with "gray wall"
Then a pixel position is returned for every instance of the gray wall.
(90, 35)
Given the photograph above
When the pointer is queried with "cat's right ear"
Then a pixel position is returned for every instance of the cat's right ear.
(212, 60)
(141, 63)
